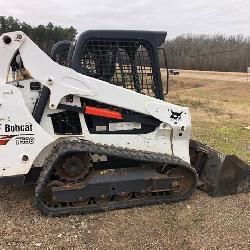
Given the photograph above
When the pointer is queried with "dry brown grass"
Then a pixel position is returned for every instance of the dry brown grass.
(220, 108)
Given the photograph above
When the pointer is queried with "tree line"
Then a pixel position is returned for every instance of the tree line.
(45, 36)
(196, 52)
(206, 52)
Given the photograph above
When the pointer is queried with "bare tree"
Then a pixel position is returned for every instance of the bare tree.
(204, 52)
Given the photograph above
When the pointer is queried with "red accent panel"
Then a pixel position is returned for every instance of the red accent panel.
(4, 142)
(5, 139)
(103, 112)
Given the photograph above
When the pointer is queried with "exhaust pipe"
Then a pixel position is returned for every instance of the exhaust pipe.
(219, 174)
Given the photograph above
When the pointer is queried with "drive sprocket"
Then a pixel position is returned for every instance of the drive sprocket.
(73, 167)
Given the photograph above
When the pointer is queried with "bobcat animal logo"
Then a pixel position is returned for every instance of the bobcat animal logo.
(176, 115)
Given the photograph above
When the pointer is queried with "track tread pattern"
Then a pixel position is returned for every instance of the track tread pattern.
(65, 147)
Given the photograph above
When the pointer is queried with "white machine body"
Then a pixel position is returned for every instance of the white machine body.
(25, 144)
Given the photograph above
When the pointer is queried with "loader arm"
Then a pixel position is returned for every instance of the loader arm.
(63, 81)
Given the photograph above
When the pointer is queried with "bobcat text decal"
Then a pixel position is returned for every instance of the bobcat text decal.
(18, 128)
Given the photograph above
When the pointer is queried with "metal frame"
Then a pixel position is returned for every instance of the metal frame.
(133, 179)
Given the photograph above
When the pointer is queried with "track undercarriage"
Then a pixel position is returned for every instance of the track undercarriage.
(155, 178)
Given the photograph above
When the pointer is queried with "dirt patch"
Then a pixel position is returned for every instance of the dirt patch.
(199, 223)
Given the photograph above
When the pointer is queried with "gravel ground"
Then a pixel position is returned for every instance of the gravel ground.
(199, 223)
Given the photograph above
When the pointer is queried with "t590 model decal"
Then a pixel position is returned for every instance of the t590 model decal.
(20, 139)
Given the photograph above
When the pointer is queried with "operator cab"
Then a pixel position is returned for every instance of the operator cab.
(129, 59)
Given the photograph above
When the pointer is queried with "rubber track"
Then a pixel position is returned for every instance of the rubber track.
(74, 146)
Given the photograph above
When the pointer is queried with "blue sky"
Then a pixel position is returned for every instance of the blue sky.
(229, 17)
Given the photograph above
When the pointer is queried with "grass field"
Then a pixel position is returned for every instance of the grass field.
(220, 107)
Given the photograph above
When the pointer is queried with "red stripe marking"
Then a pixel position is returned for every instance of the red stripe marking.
(103, 112)
(5, 139)
(4, 142)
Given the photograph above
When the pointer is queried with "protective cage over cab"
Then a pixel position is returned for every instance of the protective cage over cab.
(125, 58)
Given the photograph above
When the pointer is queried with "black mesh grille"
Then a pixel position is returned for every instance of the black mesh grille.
(61, 57)
(124, 63)
(66, 122)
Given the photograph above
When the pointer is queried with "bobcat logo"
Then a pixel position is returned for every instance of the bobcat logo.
(175, 115)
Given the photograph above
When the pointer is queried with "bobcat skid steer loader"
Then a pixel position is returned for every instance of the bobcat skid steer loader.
(94, 132)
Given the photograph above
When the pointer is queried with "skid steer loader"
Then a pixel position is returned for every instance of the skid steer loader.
(92, 130)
